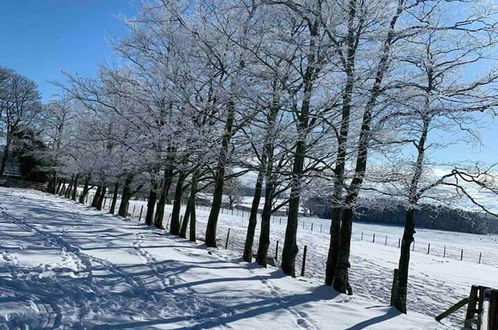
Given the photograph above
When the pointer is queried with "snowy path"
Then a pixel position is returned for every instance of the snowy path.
(63, 265)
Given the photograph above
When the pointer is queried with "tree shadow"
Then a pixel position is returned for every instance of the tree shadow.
(226, 315)
(391, 313)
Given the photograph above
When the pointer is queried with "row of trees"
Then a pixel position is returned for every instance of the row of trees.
(346, 97)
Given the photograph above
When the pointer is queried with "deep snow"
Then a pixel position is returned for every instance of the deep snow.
(64, 265)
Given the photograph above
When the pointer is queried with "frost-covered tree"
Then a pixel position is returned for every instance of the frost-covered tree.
(437, 94)
(300, 93)
(20, 106)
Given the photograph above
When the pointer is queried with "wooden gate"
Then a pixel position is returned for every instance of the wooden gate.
(482, 309)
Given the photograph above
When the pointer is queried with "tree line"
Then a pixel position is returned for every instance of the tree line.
(349, 99)
(429, 216)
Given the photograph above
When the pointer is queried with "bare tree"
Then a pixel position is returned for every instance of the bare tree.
(19, 107)
(435, 97)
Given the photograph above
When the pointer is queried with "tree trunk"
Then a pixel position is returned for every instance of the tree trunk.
(186, 216)
(253, 217)
(63, 189)
(264, 171)
(100, 202)
(52, 184)
(335, 225)
(290, 245)
(67, 193)
(215, 206)
(341, 279)
(290, 249)
(59, 186)
(168, 178)
(125, 196)
(193, 193)
(264, 237)
(95, 200)
(398, 297)
(333, 254)
(151, 204)
(75, 187)
(400, 283)
(174, 228)
(85, 190)
(114, 197)
(220, 178)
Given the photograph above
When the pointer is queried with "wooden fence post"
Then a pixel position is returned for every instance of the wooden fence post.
(228, 237)
(493, 310)
(428, 248)
(304, 260)
(312, 226)
(276, 252)
(373, 238)
(133, 212)
(444, 252)
(362, 236)
(385, 242)
(461, 254)
(399, 243)
(471, 307)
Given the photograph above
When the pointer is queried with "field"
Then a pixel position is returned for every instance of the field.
(438, 279)
(67, 266)
(436, 282)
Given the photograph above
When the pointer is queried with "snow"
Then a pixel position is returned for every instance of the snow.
(436, 283)
(65, 265)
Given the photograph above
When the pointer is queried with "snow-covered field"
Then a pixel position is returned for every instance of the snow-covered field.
(436, 283)
(65, 265)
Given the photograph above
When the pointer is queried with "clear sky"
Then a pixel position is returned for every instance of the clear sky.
(41, 38)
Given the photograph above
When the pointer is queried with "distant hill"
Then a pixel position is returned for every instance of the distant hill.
(427, 216)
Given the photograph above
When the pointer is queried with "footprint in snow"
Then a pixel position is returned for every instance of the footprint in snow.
(302, 323)
(302, 314)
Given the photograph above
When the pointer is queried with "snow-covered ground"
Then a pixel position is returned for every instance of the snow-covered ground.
(436, 283)
(64, 265)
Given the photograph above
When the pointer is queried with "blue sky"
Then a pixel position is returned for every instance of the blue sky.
(40, 38)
